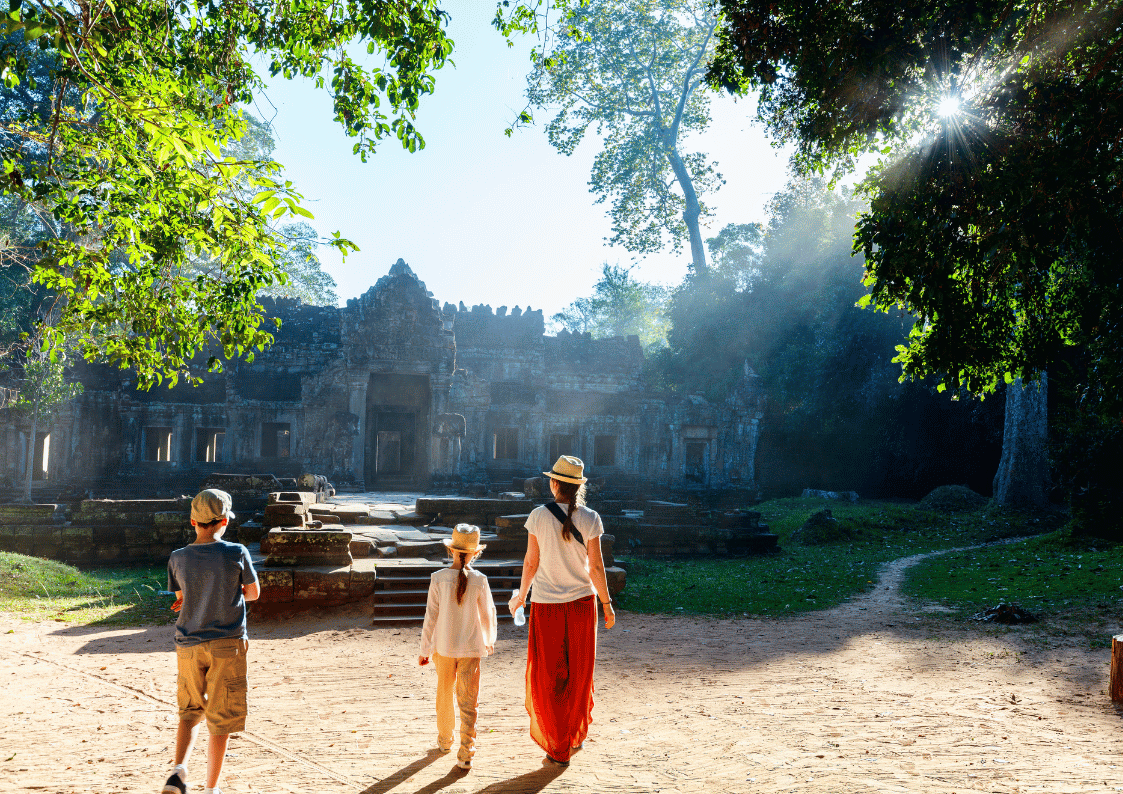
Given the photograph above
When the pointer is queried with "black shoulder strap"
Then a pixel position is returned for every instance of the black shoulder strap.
(559, 514)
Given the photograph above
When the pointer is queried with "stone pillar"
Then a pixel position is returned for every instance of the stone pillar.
(1023, 472)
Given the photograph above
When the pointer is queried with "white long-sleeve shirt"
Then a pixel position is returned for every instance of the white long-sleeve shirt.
(458, 630)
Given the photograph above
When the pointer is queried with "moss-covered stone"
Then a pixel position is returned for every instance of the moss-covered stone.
(953, 499)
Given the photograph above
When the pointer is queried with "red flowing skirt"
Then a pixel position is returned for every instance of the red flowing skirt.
(559, 674)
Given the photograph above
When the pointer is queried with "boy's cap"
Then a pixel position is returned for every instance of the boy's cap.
(211, 505)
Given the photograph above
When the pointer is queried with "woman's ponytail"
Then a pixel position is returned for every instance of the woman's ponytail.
(574, 495)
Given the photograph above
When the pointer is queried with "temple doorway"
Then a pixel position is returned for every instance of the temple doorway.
(397, 429)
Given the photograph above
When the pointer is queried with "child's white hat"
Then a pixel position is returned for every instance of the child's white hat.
(465, 537)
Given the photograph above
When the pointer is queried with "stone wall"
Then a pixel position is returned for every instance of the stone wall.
(391, 392)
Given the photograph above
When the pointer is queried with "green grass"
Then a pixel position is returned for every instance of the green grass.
(1047, 576)
(38, 589)
(806, 578)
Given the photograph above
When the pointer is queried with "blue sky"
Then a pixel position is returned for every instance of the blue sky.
(482, 218)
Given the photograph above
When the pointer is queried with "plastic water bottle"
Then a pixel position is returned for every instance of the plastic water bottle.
(520, 614)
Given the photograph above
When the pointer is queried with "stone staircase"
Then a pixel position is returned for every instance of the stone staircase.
(402, 588)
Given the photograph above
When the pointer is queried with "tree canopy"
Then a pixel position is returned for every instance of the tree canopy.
(620, 306)
(995, 213)
(116, 123)
(634, 72)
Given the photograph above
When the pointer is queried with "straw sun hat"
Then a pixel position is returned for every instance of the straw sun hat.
(568, 469)
(466, 538)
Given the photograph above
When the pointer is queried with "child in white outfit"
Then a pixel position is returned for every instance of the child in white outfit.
(459, 630)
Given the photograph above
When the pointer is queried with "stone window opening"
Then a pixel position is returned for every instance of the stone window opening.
(604, 451)
(41, 468)
(276, 439)
(158, 444)
(210, 443)
(562, 444)
(505, 443)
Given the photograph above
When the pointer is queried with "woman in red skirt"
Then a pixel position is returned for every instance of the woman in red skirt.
(564, 564)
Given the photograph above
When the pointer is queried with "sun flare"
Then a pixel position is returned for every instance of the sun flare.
(949, 106)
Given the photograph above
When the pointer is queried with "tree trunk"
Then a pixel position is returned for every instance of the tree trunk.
(693, 210)
(1023, 473)
(31, 451)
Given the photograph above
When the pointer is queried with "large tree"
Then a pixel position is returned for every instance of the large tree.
(119, 139)
(996, 210)
(634, 73)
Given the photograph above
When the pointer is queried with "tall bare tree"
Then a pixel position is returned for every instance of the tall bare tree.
(635, 71)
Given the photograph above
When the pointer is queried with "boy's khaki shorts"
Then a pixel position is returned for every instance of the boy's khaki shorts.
(212, 683)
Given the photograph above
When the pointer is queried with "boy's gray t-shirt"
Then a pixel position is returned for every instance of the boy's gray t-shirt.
(211, 576)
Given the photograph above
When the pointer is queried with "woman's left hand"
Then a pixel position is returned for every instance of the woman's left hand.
(609, 615)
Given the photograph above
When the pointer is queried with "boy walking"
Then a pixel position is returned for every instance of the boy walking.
(212, 581)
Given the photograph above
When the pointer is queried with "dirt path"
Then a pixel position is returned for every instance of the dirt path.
(872, 696)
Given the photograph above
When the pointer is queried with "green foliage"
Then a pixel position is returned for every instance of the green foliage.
(997, 226)
(1086, 452)
(304, 275)
(807, 578)
(119, 143)
(1034, 574)
(634, 73)
(37, 589)
(43, 387)
(620, 306)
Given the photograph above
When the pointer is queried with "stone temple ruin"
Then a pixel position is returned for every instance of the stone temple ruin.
(394, 392)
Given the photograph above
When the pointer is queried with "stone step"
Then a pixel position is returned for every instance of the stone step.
(402, 589)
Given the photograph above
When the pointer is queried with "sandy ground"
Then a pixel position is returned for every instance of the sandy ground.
(873, 696)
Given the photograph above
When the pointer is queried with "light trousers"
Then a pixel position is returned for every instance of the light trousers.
(457, 678)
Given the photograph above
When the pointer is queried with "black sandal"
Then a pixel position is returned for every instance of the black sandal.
(552, 760)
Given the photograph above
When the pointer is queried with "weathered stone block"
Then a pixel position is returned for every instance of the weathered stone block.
(78, 534)
(361, 547)
(289, 521)
(132, 511)
(327, 519)
(276, 584)
(411, 534)
(107, 553)
(417, 548)
(251, 532)
(536, 488)
(291, 497)
(607, 544)
(172, 517)
(109, 535)
(411, 518)
(140, 536)
(286, 509)
(465, 506)
(377, 517)
(321, 583)
(29, 514)
(617, 578)
(364, 575)
(172, 533)
(381, 536)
